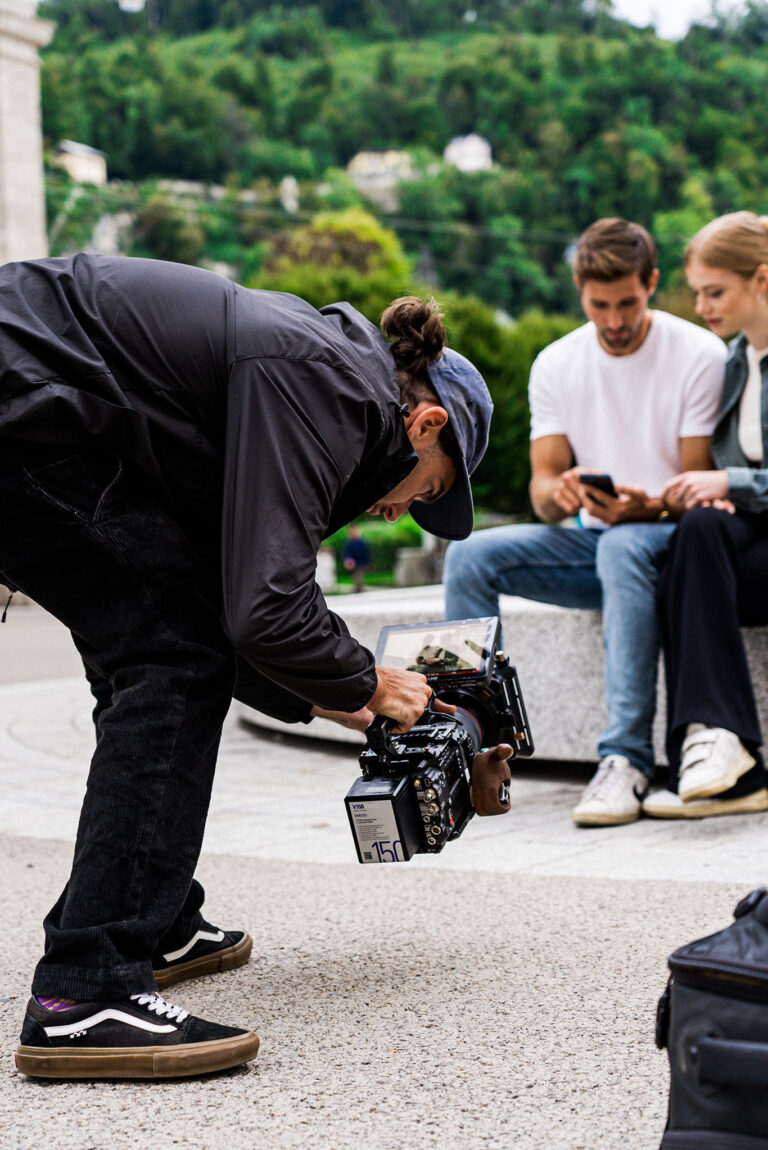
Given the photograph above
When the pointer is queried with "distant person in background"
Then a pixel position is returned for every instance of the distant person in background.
(633, 393)
(716, 576)
(357, 556)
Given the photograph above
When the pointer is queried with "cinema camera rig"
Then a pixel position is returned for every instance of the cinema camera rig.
(419, 790)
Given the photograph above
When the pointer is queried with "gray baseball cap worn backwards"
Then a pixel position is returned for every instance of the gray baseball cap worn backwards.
(462, 392)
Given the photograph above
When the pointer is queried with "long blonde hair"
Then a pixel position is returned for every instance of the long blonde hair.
(737, 242)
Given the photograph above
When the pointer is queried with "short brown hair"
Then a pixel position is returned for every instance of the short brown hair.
(613, 248)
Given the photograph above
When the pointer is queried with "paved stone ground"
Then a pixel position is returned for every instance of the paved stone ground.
(498, 995)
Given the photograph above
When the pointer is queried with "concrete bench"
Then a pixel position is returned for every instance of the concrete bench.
(558, 653)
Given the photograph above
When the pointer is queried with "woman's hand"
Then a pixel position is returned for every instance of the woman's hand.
(696, 488)
(722, 505)
(404, 697)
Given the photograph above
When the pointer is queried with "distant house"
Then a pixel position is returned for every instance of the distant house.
(377, 174)
(85, 165)
(470, 153)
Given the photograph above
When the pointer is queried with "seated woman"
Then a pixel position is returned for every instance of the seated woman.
(716, 576)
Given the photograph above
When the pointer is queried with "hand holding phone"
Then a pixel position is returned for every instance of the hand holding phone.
(601, 481)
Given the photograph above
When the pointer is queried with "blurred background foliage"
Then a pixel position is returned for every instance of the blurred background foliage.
(202, 108)
(385, 540)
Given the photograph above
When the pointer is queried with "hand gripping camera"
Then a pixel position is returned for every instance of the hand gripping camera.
(420, 789)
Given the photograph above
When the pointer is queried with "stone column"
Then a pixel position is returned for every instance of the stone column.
(22, 197)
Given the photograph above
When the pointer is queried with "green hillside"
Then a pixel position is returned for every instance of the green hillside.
(586, 116)
(590, 118)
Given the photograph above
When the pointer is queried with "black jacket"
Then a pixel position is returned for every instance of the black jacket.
(249, 413)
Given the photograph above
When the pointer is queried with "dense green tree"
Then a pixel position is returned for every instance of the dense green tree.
(504, 355)
(585, 114)
(340, 256)
(165, 231)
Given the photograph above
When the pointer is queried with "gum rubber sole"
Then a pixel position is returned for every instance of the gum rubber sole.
(741, 764)
(228, 959)
(180, 1061)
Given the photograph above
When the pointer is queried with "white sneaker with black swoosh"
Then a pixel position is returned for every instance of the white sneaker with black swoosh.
(138, 1037)
(612, 796)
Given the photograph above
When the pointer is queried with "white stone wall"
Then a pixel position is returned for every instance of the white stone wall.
(22, 200)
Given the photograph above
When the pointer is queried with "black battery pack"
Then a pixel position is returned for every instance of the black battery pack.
(384, 819)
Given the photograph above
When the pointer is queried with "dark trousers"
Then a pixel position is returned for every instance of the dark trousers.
(94, 548)
(714, 582)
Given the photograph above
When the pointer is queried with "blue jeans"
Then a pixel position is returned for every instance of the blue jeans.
(616, 569)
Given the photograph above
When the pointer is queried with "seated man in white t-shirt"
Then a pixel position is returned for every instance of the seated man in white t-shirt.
(634, 393)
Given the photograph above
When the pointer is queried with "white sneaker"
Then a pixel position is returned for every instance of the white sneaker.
(613, 795)
(712, 760)
(666, 805)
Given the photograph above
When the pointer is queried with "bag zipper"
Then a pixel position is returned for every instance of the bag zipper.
(722, 978)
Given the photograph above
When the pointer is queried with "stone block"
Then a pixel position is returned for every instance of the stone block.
(19, 598)
(326, 570)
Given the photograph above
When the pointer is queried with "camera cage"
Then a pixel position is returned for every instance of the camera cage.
(419, 789)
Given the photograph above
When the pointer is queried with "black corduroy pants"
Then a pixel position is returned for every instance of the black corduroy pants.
(92, 546)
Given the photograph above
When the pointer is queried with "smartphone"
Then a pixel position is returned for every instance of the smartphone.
(601, 482)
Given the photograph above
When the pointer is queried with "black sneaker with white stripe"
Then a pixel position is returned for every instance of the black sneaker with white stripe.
(139, 1037)
(208, 951)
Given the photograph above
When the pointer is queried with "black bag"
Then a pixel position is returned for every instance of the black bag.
(713, 1019)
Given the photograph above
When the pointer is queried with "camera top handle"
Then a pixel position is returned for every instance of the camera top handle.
(381, 727)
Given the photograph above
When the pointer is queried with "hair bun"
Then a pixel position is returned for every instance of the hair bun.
(417, 330)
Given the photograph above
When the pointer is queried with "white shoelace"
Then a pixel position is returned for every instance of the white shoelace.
(159, 1006)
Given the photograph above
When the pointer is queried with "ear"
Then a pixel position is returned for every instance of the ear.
(761, 278)
(425, 423)
(653, 282)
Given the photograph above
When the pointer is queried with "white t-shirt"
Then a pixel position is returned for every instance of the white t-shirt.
(626, 414)
(750, 414)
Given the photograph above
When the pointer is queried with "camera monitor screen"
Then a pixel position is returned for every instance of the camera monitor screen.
(463, 647)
